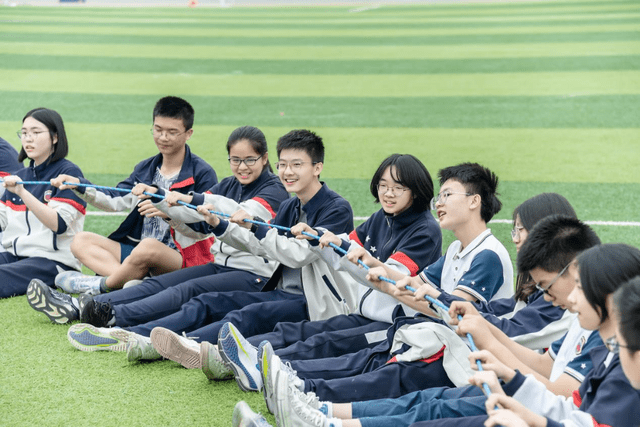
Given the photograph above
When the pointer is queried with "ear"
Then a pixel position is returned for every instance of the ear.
(317, 168)
(265, 159)
(189, 133)
(475, 202)
(55, 139)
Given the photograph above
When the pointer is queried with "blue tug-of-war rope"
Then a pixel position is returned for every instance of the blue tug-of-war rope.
(432, 300)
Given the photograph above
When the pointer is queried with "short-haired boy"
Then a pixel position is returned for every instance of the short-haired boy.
(144, 242)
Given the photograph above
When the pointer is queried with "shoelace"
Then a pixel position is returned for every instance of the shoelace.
(311, 415)
(309, 399)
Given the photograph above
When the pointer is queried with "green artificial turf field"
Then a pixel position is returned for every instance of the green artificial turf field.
(546, 94)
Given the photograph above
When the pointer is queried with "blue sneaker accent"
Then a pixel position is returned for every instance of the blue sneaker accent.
(241, 357)
(324, 409)
(87, 337)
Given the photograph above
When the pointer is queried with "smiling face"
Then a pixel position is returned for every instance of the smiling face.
(588, 316)
(299, 174)
(170, 135)
(244, 150)
(457, 208)
(37, 144)
(561, 287)
(392, 204)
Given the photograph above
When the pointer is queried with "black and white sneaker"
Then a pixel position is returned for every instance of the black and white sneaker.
(97, 313)
(57, 306)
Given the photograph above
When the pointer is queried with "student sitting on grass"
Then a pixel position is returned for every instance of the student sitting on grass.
(38, 223)
(143, 243)
(605, 398)
(301, 274)
(9, 164)
(403, 234)
(252, 187)
(476, 263)
(551, 245)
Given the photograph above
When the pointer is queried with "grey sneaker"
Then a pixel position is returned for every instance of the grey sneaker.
(140, 348)
(176, 347)
(74, 282)
(87, 337)
(243, 416)
(58, 307)
(293, 407)
(213, 366)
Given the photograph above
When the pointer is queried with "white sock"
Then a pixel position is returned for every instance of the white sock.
(333, 422)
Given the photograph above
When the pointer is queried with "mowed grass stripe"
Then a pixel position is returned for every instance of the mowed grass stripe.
(240, 25)
(479, 39)
(402, 66)
(345, 34)
(351, 153)
(517, 9)
(171, 51)
(619, 111)
(579, 83)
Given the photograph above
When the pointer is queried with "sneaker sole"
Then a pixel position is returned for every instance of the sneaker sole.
(86, 337)
(230, 355)
(264, 371)
(169, 345)
(37, 298)
(213, 371)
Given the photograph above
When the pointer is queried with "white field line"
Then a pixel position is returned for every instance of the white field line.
(495, 221)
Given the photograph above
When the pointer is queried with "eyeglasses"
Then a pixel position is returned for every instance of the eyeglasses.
(295, 166)
(23, 134)
(515, 233)
(249, 161)
(613, 345)
(442, 198)
(546, 290)
(169, 134)
(396, 190)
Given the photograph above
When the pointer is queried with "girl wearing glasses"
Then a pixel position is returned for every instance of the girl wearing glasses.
(39, 221)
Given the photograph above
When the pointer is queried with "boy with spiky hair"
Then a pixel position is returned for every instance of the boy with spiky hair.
(143, 243)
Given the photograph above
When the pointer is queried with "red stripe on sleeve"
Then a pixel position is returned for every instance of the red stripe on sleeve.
(182, 184)
(577, 399)
(14, 207)
(266, 205)
(353, 236)
(4, 173)
(406, 261)
(73, 203)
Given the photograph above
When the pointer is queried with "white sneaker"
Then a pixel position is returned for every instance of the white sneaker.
(132, 283)
(240, 356)
(140, 348)
(243, 416)
(294, 409)
(74, 282)
(175, 347)
(86, 337)
(213, 366)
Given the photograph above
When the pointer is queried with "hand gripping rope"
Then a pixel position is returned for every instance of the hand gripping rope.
(432, 300)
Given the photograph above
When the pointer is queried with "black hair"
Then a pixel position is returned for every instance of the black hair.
(534, 209)
(603, 269)
(554, 242)
(410, 172)
(627, 302)
(304, 140)
(254, 136)
(52, 120)
(175, 108)
(476, 179)
(531, 211)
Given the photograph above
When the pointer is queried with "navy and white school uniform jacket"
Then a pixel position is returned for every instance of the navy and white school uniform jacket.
(8, 160)
(483, 269)
(407, 242)
(23, 233)
(535, 324)
(328, 292)
(570, 353)
(261, 198)
(195, 175)
(605, 398)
